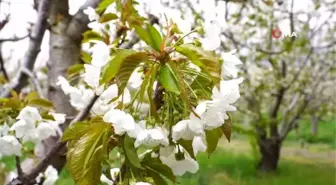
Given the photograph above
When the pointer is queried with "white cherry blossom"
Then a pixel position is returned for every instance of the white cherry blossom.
(152, 137)
(92, 76)
(179, 167)
(114, 173)
(100, 54)
(51, 176)
(4, 130)
(198, 144)
(29, 114)
(212, 36)
(187, 129)
(9, 145)
(92, 14)
(22, 127)
(229, 67)
(122, 122)
(142, 183)
(45, 130)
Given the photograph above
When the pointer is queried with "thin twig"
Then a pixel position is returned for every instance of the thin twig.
(14, 39)
(18, 167)
(34, 81)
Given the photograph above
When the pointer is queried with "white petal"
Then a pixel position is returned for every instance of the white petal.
(100, 54)
(9, 145)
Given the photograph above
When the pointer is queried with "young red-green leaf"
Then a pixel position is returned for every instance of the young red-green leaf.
(206, 60)
(127, 67)
(212, 137)
(32, 96)
(103, 5)
(150, 36)
(130, 151)
(86, 154)
(91, 35)
(86, 57)
(43, 103)
(75, 69)
(168, 79)
(202, 86)
(114, 65)
(75, 131)
(107, 17)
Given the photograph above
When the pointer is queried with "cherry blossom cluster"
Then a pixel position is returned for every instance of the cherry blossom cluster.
(211, 114)
(30, 127)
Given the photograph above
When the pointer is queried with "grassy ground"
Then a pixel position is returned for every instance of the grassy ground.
(230, 167)
(305, 159)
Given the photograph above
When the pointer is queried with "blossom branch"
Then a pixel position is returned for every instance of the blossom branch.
(29, 179)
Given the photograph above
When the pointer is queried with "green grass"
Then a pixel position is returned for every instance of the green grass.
(231, 168)
(326, 133)
(228, 168)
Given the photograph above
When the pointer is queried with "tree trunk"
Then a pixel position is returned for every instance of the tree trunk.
(314, 125)
(270, 154)
(63, 53)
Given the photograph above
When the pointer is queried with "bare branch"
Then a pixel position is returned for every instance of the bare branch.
(34, 81)
(2, 66)
(14, 39)
(34, 47)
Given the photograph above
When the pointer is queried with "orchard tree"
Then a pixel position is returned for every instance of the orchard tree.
(288, 76)
(131, 100)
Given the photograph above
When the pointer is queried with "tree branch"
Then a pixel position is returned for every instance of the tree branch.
(34, 47)
(14, 39)
(34, 81)
(2, 66)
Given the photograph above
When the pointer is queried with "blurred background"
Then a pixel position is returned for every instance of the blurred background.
(284, 129)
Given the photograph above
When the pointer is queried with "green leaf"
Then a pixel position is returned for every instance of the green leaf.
(168, 79)
(43, 103)
(150, 36)
(212, 137)
(206, 60)
(187, 145)
(75, 69)
(158, 180)
(130, 151)
(103, 5)
(86, 154)
(108, 17)
(86, 57)
(75, 131)
(156, 165)
(113, 66)
(202, 86)
(181, 84)
(227, 129)
(91, 35)
(127, 67)
(32, 96)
